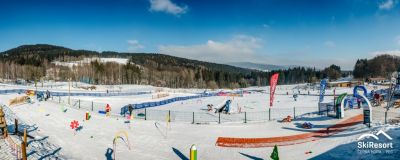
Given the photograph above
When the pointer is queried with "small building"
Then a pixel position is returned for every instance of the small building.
(344, 83)
(339, 84)
(377, 80)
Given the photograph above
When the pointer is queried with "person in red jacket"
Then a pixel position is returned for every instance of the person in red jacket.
(108, 109)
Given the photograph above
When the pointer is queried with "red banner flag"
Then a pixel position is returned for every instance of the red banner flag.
(272, 86)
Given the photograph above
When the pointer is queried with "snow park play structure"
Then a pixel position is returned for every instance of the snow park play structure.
(19, 100)
(30, 92)
(288, 140)
(123, 136)
(125, 109)
(224, 108)
(193, 152)
(357, 95)
(228, 94)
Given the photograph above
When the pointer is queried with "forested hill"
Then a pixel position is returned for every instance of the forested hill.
(380, 66)
(37, 54)
(37, 62)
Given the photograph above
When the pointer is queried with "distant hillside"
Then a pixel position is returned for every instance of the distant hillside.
(35, 54)
(35, 62)
(260, 67)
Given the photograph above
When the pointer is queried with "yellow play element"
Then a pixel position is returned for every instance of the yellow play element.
(119, 135)
(30, 92)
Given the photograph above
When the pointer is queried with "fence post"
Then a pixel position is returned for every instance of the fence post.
(269, 114)
(219, 117)
(319, 108)
(59, 99)
(23, 148)
(145, 114)
(245, 117)
(386, 117)
(92, 105)
(294, 112)
(25, 138)
(193, 118)
(169, 115)
(16, 126)
(327, 111)
(79, 103)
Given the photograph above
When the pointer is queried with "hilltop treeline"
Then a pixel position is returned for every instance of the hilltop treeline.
(379, 66)
(34, 62)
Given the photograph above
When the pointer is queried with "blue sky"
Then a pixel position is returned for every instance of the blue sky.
(301, 32)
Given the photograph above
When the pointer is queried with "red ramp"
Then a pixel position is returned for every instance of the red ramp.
(288, 140)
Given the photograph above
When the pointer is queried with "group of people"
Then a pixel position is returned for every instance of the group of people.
(43, 95)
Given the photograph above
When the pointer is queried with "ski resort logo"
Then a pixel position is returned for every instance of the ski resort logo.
(374, 136)
(372, 143)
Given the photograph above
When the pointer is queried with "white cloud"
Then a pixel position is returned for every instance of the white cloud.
(266, 25)
(387, 5)
(167, 6)
(329, 44)
(134, 45)
(239, 48)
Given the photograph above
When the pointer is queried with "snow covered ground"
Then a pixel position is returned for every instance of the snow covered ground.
(88, 60)
(150, 139)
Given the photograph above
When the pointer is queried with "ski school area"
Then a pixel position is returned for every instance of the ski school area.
(82, 121)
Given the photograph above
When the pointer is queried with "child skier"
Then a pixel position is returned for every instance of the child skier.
(108, 110)
(358, 102)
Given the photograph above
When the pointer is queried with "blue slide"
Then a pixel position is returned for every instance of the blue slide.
(225, 107)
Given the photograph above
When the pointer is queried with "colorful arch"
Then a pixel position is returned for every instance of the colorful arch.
(341, 99)
(119, 135)
(355, 90)
(355, 94)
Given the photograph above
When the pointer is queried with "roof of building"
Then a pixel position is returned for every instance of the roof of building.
(338, 82)
(377, 79)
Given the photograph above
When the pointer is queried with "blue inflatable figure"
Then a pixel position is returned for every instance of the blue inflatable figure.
(227, 106)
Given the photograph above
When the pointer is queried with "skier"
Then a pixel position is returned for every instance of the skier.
(47, 95)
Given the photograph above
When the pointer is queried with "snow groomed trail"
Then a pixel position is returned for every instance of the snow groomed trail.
(288, 140)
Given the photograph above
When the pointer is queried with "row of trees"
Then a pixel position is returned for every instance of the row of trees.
(97, 72)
